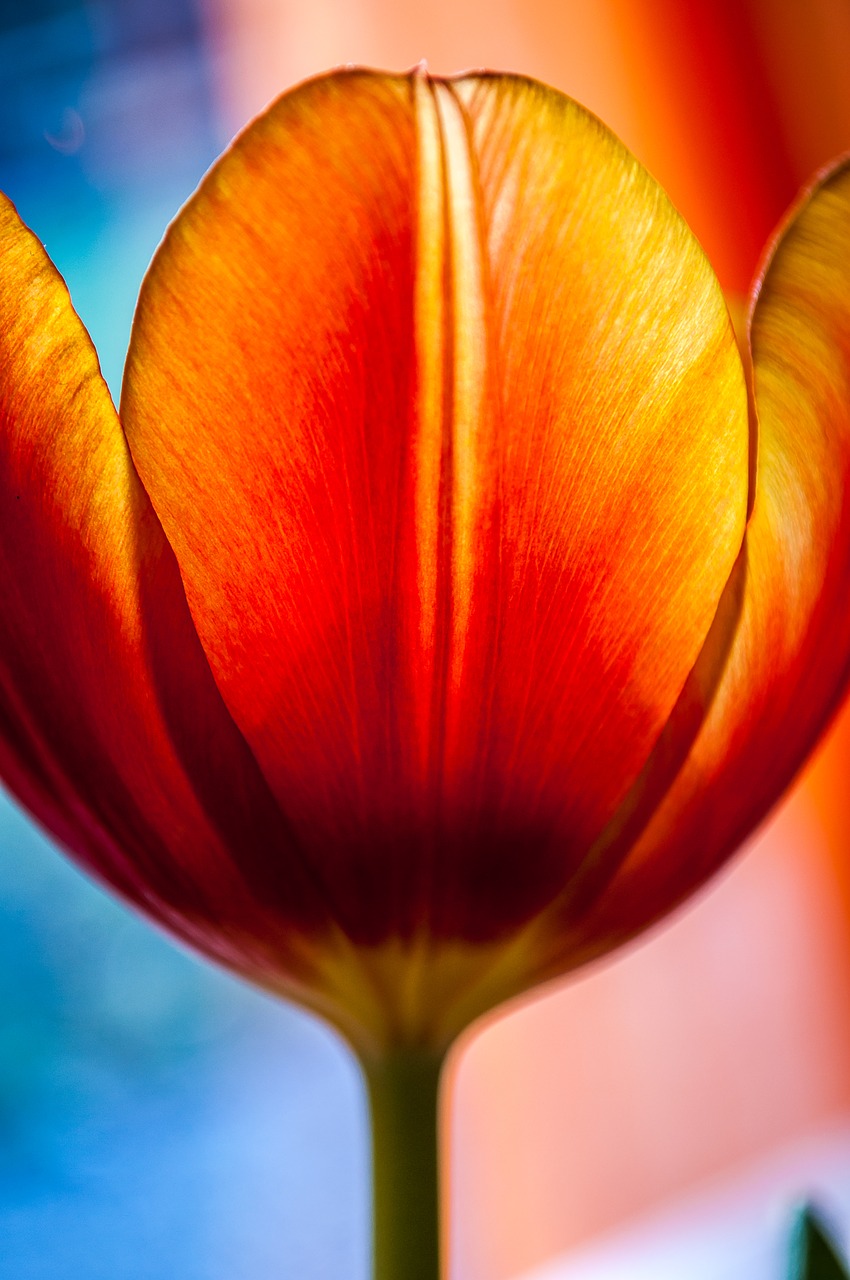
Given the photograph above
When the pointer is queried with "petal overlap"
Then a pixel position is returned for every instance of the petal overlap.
(787, 663)
(113, 731)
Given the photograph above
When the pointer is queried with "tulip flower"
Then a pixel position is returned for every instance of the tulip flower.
(448, 600)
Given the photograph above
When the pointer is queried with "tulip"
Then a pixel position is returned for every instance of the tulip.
(448, 601)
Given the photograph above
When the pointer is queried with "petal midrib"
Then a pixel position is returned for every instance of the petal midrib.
(452, 366)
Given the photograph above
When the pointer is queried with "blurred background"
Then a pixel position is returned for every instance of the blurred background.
(659, 1116)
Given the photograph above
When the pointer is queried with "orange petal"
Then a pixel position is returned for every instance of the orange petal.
(788, 663)
(438, 402)
(111, 728)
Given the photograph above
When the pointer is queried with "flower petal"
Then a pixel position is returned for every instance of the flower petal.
(438, 402)
(621, 473)
(789, 660)
(111, 728)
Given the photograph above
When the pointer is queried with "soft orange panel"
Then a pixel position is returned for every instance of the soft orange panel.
(439, 404)
(789, 631)
(111, 728)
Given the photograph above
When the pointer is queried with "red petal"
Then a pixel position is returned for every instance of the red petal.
(438, 402)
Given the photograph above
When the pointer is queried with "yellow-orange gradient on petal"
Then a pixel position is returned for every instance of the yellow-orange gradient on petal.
(794, 565)
(455, 478)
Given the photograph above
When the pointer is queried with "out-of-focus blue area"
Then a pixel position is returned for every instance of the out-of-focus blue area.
(105, 128)
(157, 1119)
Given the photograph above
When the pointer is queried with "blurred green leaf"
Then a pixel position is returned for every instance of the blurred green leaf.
(813, 1252)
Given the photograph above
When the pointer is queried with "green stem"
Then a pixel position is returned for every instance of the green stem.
(403, 1093)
